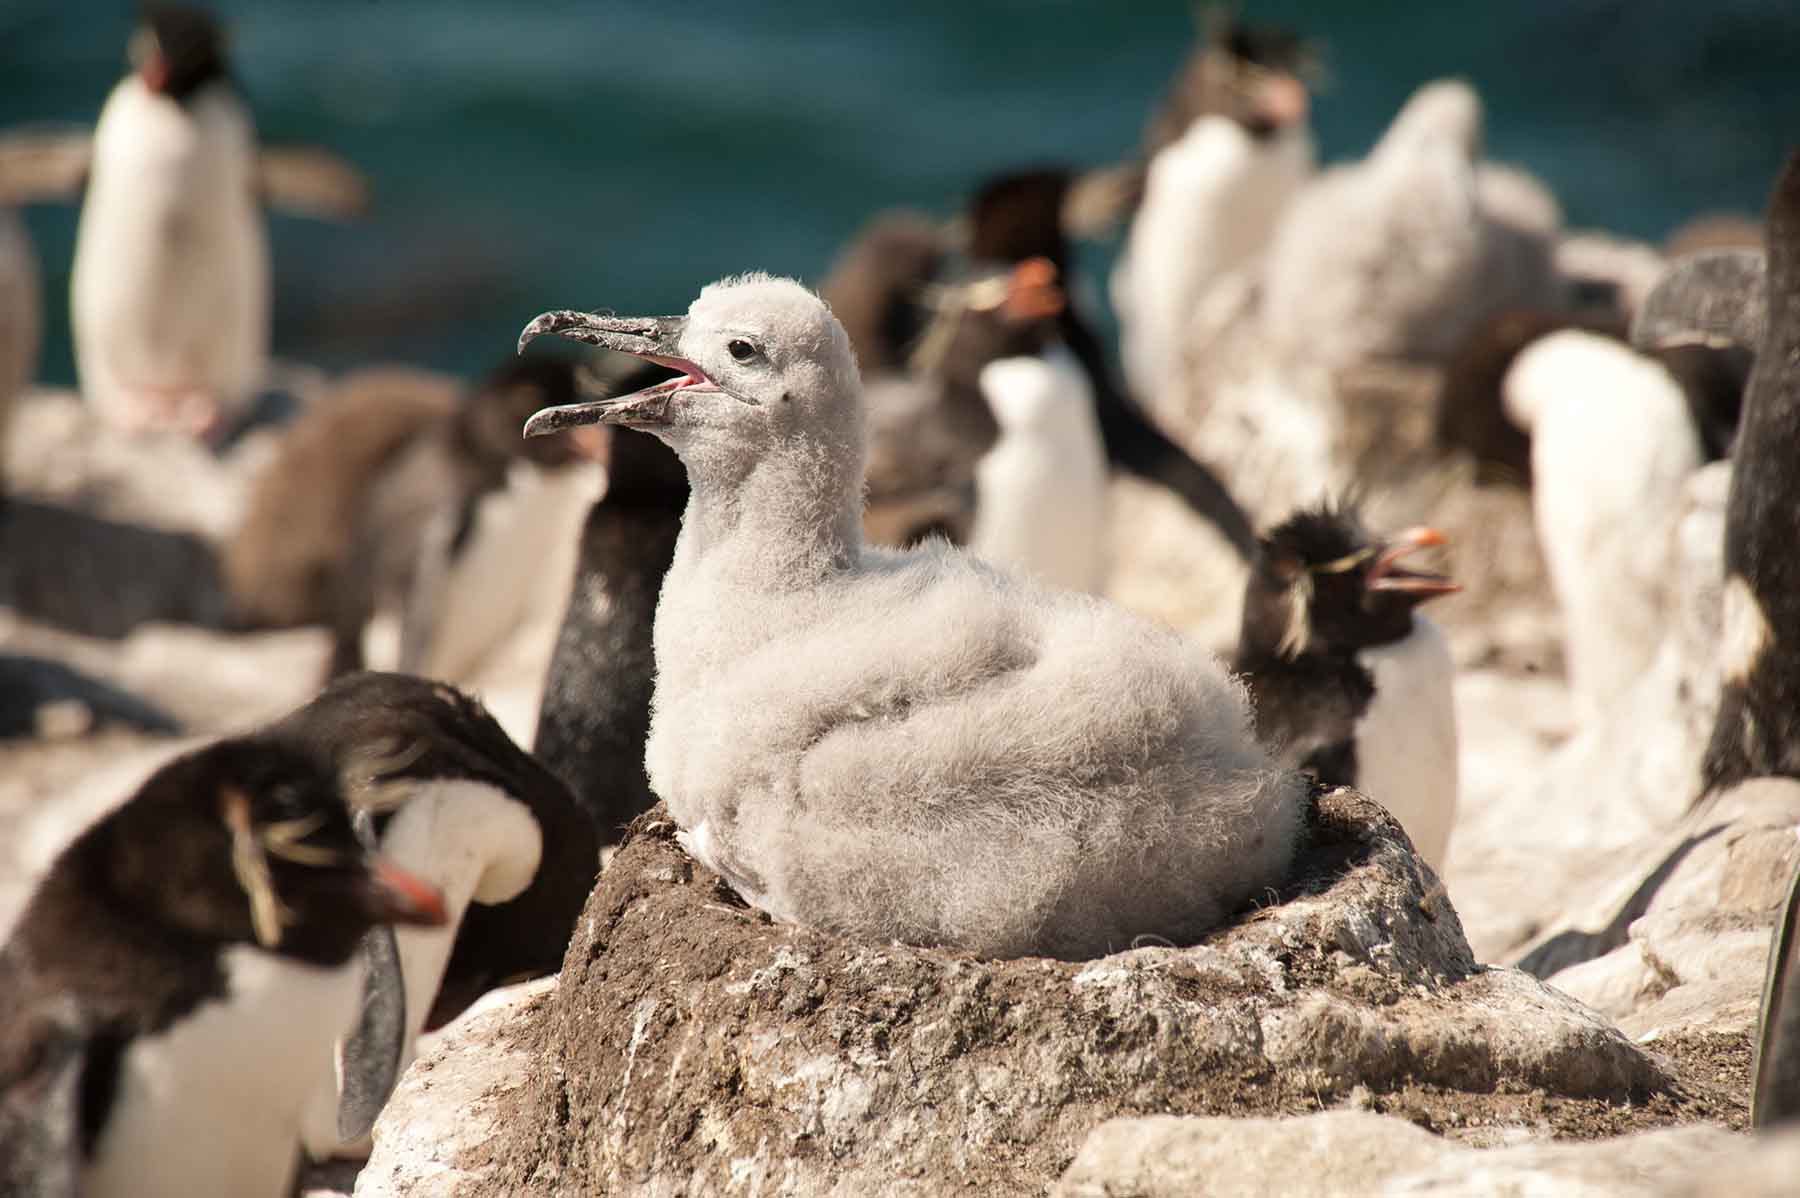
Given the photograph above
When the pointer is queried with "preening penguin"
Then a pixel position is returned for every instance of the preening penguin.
(170, 294)
(457, 803)
(910, 745)
(178, 974)
(1347, 680)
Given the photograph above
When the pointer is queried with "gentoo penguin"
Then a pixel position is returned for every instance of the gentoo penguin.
(180, 971)
(1775, 1064)
(455, 802)
(883, 282)
(595, 715)
(290, 553)
(170, 292)
(1742, 297)
(1347, 680)
(421, 542)
(1227, 149)
(910, 744)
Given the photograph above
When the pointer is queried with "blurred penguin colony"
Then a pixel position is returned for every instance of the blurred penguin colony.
(263, 602)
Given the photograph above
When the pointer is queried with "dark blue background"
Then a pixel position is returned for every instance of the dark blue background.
(536, 155)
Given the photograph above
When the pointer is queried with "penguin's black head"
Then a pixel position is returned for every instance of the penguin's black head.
(493, 414)
(178, 49)
(1323, 584)
(1019, 215)
(381, 731)
(250, 841)
(1257, 75)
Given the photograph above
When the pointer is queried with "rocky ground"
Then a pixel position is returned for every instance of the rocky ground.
(1354, 1035)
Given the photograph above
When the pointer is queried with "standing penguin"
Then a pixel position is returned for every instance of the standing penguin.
(170, 290)
(179, 972)
(1041, 490)
(1347, 680)
(595, 715)
(883, 282)
(454, 801)
(1745, 298)
(1227, 149)
(170, 294)
(456, 520)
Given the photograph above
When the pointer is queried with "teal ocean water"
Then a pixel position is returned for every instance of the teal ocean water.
(551, 154)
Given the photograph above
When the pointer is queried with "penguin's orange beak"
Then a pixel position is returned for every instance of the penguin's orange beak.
(396, 895)
(1386, 574)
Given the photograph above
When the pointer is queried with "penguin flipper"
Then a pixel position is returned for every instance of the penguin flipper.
(43, 164)
(308, 181)
(1775, 1068)
(1715, 298)
(369, 1058)
(371, 1055)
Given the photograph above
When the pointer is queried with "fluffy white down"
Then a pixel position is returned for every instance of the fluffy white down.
(1211, 203)
(213, 1105)
(915, 745)
(1611, 443)
(473, 843)
(170, 290)
(1041, 490)
(1369, 253)
(1406, 747)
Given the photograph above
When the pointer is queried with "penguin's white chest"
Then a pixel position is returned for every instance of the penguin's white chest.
(1406, 740)
(213, 1104)
(502, 600)
(1041, 491)
(170, 287)
(1211, 204)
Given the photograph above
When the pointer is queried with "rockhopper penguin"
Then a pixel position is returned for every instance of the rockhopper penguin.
(1348, 681)
(180, 971)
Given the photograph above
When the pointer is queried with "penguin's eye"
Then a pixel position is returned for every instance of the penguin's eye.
(740, 350)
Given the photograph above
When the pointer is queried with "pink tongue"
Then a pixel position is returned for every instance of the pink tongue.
(693, 372)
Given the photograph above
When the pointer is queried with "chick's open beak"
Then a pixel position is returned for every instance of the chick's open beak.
(656, 338)
(1386, 574)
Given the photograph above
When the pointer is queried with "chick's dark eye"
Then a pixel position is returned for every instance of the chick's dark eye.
(740, 350)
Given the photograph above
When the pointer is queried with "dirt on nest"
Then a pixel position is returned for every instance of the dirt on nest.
(695, 1043)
